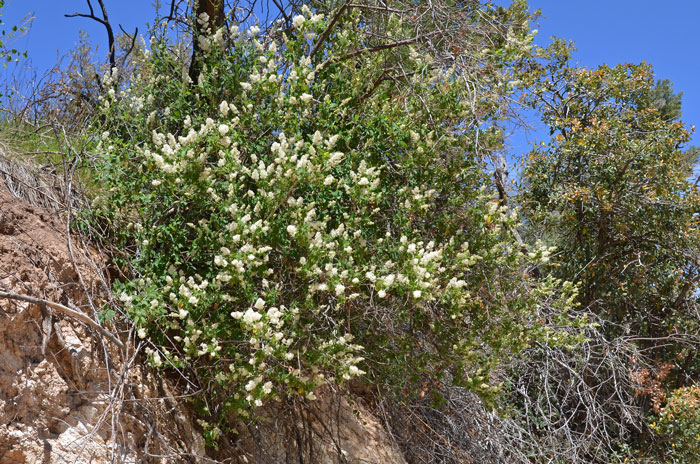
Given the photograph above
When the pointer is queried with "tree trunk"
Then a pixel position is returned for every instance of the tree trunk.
(215, 10)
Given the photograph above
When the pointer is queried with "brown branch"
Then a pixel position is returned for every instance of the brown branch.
(67, 311)
(328, 30)
(375, 8)
(388, 46)
(284, 14)
(133, 43)
(105, 22)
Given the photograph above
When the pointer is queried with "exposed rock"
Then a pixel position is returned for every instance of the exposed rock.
(329, 430)
(66, 396)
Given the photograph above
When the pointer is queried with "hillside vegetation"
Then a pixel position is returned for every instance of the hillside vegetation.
(321, 202)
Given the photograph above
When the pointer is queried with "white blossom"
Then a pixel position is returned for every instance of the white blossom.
(223, 108)
(298, 21)
(335, 159)
(250, 316)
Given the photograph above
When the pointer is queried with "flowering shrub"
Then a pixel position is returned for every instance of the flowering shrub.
(291, 219)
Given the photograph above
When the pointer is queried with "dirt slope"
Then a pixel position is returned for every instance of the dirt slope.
(62, 398)
(66, 396)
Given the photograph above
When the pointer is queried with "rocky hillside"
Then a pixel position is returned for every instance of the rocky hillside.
(69, 395)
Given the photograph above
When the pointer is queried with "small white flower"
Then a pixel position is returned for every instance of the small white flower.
(223, 108)
(305, 97)
(204, 43)
(339, 289)
(335, 159)
(298, 21)
(381, 293)
(223, 129)
(292, 230)
(417, 294)
(250, 316)
(142, 333)
(328, 180)
(267, 388)
(246, 86)
(330, 143)
(259, 304)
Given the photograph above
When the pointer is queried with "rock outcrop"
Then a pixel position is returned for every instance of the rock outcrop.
(67, 395)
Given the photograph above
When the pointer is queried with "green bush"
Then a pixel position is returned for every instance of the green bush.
(292, 219)
(678, 424)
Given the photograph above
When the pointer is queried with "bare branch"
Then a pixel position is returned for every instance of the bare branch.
(329, 29)
(105, 22)
(67, 311)
(133, 42)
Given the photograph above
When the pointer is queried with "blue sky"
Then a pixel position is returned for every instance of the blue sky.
(611, 31)
(664, 34)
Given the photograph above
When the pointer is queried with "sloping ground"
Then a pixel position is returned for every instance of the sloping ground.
(67, 396)
(64, 395)
(333, 429)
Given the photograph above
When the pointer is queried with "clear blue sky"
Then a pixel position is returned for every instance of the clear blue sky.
(665, 34)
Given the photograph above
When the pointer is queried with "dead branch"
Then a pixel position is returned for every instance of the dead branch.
(105, 22)
(67, 311)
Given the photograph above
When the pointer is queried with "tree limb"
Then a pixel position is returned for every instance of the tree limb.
(67, 311)
(105, 22)
(329, 29)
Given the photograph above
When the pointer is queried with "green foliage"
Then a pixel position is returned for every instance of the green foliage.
(668, 102)
(293, 218)
(678, 424)
(611, 190)
(8, 55)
